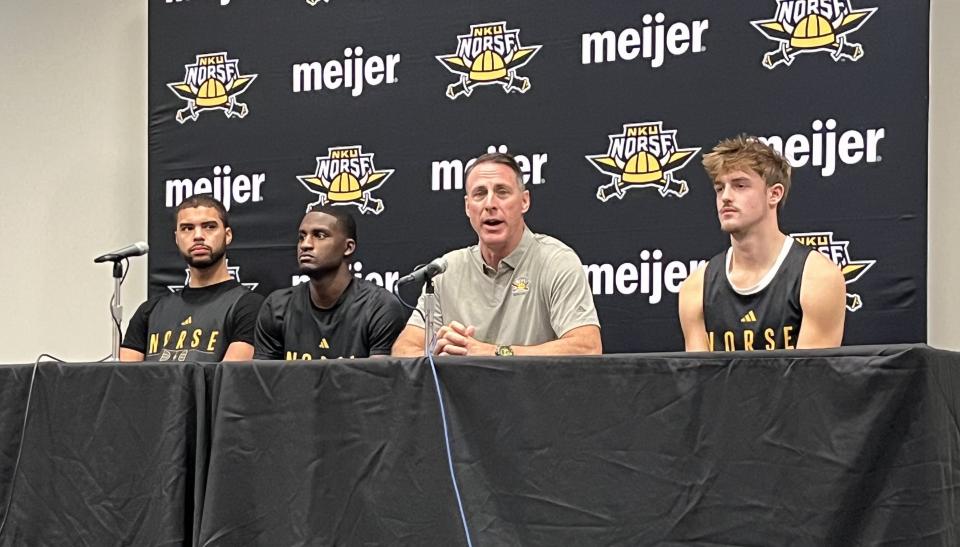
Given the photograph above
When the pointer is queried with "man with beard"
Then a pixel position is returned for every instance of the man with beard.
(335, 314)
(213, 317)
(766, 291)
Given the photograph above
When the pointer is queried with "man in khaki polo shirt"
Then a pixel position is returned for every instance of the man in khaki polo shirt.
(515, 292)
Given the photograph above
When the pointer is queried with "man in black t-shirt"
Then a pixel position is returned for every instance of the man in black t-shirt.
(334, 314)
(213, 317)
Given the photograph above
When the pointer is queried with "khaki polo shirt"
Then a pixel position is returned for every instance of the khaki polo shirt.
(537, 294)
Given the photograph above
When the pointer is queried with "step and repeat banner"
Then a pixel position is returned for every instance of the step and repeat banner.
(379, 106)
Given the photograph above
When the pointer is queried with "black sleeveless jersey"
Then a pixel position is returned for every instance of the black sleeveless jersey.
(769, 318)
(194, 324)
(365, 321)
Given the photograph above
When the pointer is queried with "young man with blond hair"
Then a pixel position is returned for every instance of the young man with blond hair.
(766, 291)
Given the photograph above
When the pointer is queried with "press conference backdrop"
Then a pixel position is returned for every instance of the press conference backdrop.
(609, 106)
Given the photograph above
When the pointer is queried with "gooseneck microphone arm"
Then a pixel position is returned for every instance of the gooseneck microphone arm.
(116, 308)
(421, 274)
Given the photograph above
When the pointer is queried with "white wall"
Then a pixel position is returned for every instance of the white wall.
(73, 169)
(73, 144)
(944, 197)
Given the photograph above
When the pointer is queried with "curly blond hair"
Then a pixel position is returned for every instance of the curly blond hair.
(746, 152)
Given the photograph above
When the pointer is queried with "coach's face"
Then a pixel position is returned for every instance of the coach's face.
(201, 236)
(322, 245)
(495, 205)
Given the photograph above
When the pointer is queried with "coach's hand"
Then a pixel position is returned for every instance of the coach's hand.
(457, 339)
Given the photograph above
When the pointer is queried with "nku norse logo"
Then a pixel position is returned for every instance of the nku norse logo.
(212, 83)
(836, 250)
(346, 176)
(234, 272)
(807, 26)
(643, 156)
(489, 55)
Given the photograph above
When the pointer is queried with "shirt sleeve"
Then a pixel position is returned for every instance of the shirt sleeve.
(386, 322)
(268, 334)
(136, 336)
(570, 299)
(244, 319)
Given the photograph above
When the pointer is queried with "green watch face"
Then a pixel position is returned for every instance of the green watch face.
(504, 351)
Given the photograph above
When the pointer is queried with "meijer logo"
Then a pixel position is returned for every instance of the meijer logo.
(826, 149)
(352, 72)
(225, 186)
(652, 41)
(448, 174)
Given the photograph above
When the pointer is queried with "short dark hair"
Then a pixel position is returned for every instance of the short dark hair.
(204, 200)
(498, 158)
(345, 220)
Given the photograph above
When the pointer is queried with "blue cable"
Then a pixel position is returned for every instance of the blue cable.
(446, 441)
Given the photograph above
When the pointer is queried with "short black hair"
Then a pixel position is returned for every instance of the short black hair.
(345, 220)
(498, 158)
(204, 200)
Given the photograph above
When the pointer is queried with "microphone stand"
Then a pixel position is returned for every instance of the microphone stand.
(429, 302)
(116, 310)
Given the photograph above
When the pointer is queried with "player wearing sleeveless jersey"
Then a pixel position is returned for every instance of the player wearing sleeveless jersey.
(213, 317)
(334, 314)
(766, 291)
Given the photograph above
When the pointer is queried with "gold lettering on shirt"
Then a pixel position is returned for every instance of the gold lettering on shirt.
(181, 339)
(194, 338)
(211, 345)
(769, 335)
(787, 341)
(748, 338)
(729, 342)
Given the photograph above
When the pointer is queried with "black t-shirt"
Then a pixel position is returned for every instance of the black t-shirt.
(365, 321)
(196, 323)
(769, 318)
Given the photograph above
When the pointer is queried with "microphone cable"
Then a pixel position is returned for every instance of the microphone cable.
(23, 438)
(396, 293)
(447, 445)
(443, 418)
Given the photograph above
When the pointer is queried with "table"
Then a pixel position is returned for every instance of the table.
(853, 446)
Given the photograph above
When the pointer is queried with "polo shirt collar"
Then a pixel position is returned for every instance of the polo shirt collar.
(513, 259)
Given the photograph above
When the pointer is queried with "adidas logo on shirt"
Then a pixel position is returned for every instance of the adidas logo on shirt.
(750, 317)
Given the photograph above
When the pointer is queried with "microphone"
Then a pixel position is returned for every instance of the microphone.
(136, 249)
(421, 274)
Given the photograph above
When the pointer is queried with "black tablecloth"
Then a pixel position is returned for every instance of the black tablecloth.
(856, 446)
